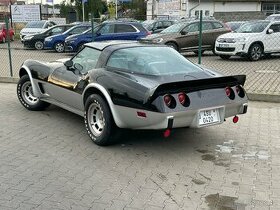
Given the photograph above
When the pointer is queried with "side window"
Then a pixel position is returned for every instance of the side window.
(87, 58)
(158, 25)
(191, 28)
(275, 27)
(166, 24)
(57, 30)
(217, 25)
(78, 30)
(107, 29)
(206, 26)
(122, 28)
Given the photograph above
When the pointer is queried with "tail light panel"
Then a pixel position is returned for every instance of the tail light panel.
(184, 99)
(229, 93)
(240, 91)
(169, 101)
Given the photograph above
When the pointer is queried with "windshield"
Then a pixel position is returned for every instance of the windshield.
(176, 28)
(151, 61)
(35, 24)
(252, 27)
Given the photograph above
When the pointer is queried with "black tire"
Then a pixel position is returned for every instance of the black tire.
(99, 122)
(255, 52)
(196, 52)
(26, 97)
(172, 45)
(59, 47)
(13, 38)
(39, 45)
(225, 57)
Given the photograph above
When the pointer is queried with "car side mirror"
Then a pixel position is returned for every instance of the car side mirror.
(68, 63)
(183, 32)
(269, 31)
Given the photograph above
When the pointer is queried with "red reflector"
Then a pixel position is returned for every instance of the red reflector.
(149, 33)
(167, 100)
(166, 133)
(141, 114)
(228, 91)
(182, 98)
(235, 119)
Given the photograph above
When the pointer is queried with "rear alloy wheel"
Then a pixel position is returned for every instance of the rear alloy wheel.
(59, 47)
(225, 57)
(255, 52)
(99, 121)
(39, 45)
(26, 96)
(172, 45)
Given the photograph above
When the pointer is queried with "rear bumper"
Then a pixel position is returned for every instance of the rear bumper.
(189, 118)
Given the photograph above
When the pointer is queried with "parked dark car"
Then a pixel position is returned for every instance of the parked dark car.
(156, 26)
(37, 40)
(56, 42)
(183, 36)
(116, 30)
(124, 84)
(5, 33)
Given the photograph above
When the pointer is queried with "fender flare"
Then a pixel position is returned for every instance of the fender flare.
(35, 87)
(112, 106)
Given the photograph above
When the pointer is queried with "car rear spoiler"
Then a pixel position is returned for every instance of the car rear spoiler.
(196, 85)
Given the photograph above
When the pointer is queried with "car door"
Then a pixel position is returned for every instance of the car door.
(271, 41)
(188, 39)
(67, 84)
(105, 32)
(125, 32)
(208, 38)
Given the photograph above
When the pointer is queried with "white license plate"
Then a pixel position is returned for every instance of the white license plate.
(210, 116)
(223, 45)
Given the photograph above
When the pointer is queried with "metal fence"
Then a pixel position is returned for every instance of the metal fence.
(263, 76)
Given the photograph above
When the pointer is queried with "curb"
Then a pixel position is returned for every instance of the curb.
(251, 96)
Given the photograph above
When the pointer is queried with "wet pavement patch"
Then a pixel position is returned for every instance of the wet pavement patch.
(219, 202)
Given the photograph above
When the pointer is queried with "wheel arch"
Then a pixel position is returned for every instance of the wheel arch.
(257, 42)
(100, 90)
(24, 70)
(173, 42)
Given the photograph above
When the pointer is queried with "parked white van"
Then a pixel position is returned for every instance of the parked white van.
(34, 27)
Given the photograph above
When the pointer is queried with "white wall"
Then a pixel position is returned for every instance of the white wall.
(237, 6)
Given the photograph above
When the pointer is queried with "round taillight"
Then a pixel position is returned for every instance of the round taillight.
(182, 98)
(240, 91)
(167, 100)
(235, 119)
(229, 93)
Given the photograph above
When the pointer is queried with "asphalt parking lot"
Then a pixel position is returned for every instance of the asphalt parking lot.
(47, 161)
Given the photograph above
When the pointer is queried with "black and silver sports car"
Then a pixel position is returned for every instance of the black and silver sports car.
(122, 84)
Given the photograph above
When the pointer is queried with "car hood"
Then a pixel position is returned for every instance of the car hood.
(32, 30)
(238, 35)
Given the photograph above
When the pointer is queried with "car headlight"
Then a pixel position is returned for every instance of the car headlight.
(157, 40)
(241, 39)
(48, 39)
(28, 37)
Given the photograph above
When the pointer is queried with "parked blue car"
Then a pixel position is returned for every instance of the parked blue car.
(107, 31)
(56, 42)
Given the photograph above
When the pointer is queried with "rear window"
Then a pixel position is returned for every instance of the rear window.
(151, 61)
(217, 25)
(122, 28)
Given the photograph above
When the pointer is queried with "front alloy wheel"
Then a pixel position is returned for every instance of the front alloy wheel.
(99, 121)
(39, 45)
(255, 52)
(59, 47)
(26, 96)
